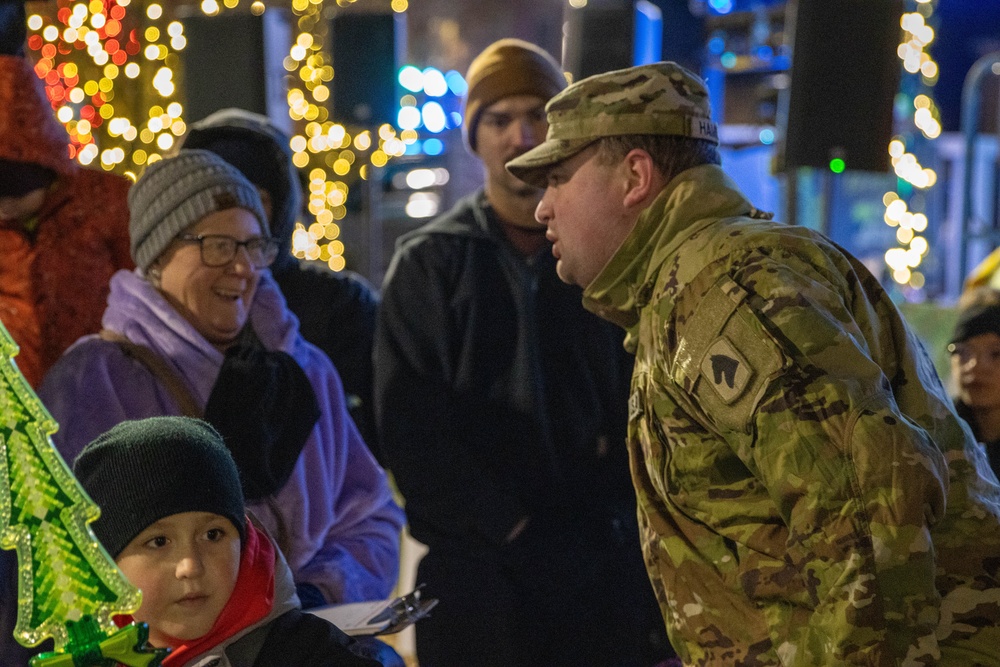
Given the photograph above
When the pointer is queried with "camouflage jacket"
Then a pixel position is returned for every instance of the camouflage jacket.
(807, 494)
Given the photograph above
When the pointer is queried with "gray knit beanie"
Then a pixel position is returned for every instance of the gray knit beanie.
(177, 192)
(141, 471)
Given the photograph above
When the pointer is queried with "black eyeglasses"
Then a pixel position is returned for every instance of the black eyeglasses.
(219, 250)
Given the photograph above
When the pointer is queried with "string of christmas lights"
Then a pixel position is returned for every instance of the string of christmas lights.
(109, 72)
(919, 121)
(336, 156)
(109, 75)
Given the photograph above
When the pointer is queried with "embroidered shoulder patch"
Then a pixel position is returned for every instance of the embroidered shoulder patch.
(725, 369)
(724, 357)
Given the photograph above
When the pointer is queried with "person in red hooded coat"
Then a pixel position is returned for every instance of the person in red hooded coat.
(63, 233)
(63, 228)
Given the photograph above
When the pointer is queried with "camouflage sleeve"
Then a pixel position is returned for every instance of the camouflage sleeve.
(857, 483)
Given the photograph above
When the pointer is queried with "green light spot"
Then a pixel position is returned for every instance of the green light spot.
(837, 165)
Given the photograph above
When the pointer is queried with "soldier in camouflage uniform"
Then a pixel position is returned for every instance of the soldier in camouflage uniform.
(807, 494)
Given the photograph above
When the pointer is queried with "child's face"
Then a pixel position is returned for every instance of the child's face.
(186, 566)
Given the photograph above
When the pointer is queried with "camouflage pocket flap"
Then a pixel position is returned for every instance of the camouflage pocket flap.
(724, 356)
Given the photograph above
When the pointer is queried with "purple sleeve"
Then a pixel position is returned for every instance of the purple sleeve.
(95, 386)
(359, 560)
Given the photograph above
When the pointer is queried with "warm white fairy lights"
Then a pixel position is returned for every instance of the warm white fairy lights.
(905, 259)
(97, 59)
(335, 155)
(82, 50)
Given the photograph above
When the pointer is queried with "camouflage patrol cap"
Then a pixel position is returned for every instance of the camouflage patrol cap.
(662, 98)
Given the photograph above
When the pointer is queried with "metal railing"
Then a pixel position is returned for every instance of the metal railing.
(987, 227)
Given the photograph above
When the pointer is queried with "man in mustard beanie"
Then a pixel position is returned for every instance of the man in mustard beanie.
(502, 406)
(506, 68)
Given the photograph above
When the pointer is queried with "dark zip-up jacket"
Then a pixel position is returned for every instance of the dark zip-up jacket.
(499, 397)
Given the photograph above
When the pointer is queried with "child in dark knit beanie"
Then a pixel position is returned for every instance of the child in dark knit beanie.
(215, 589)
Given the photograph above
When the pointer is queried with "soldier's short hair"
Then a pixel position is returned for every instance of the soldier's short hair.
(671, 154)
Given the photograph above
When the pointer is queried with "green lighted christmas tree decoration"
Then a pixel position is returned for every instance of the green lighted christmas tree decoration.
(69, 589)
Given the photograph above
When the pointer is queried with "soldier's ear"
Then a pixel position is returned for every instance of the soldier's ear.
(644, 179)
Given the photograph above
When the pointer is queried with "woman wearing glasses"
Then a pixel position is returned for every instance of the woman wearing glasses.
(200, 329)
(975, 368)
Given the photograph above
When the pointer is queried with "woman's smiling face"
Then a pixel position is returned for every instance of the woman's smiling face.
(214, 299)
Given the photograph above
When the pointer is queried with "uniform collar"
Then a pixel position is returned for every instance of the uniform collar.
(694, 199)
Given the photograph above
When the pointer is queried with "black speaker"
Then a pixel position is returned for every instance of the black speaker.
(844, 78)
(224, 64)
(366, 51)
(234, 60)
(598, 37)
